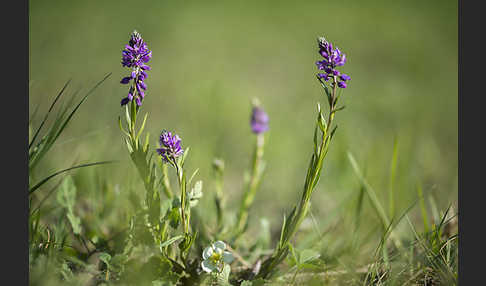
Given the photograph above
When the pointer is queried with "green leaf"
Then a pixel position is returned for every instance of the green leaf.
(48, 112)
(43, 181)
(187, 242)
(193, 175)
(75, 222)
(121, 127)
(66, 195)
(174, 218)
(258, 282)
(222, 278)
(321, 122)
(182, 159)
(105, 257)
(117, 262)
(141, 127)
(307, 255)
(195, 194)
(165, 207)
(171, 240)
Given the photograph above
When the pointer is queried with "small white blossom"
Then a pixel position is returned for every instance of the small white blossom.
(215, 257)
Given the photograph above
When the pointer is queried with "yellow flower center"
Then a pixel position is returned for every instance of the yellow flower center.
(216, 257)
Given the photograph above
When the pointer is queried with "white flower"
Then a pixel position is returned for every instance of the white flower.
(215, 257)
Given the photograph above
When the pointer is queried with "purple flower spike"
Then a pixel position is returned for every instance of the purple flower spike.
(135, 56)
(259, 120)
(170, 146)
(333, 58)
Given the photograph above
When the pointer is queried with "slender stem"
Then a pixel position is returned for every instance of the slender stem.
(292, 225)
(183, 194)
(249, 195)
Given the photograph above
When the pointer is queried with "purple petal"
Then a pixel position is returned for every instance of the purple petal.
(124, 101)
(125, 80)
(345, 77)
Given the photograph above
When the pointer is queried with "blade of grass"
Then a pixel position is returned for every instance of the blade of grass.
(370, 192)
(393, 168)
(56, 130)
(79, 104)
(48, 112)
(43, 181)
(423, 210)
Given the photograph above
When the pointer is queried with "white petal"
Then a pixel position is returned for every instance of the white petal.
(208, 251)
(228, 257)
(208, 266)
(219, 244)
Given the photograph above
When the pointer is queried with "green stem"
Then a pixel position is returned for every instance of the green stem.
(182, 186)
(296, 218)
(249, 195)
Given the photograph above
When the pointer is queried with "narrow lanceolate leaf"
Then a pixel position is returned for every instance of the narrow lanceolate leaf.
(193, 175)
(333, 131)
(146, 145)
(129, 144)
(340, 108)
(127, 117)
(121, 127)
(171, 240)
(141, 127)
(316, 150)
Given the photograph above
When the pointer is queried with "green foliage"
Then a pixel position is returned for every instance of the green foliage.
(66, 197)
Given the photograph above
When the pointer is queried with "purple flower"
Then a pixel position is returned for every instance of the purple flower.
(333, 58)
(135, 56)
(170, 146)
(259, 120)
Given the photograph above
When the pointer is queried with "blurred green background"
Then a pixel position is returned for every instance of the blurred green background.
(210, 58)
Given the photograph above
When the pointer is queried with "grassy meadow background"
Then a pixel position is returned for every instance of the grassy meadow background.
(210, 58)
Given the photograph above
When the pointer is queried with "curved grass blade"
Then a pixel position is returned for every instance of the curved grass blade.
(79, 104)
(34, 188)
(49, 111)
(48, 141)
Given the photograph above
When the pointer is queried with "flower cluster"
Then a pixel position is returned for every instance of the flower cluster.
(333, 58)
(259, 120)
(215, 257)
(135, 56)
(170, 146)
